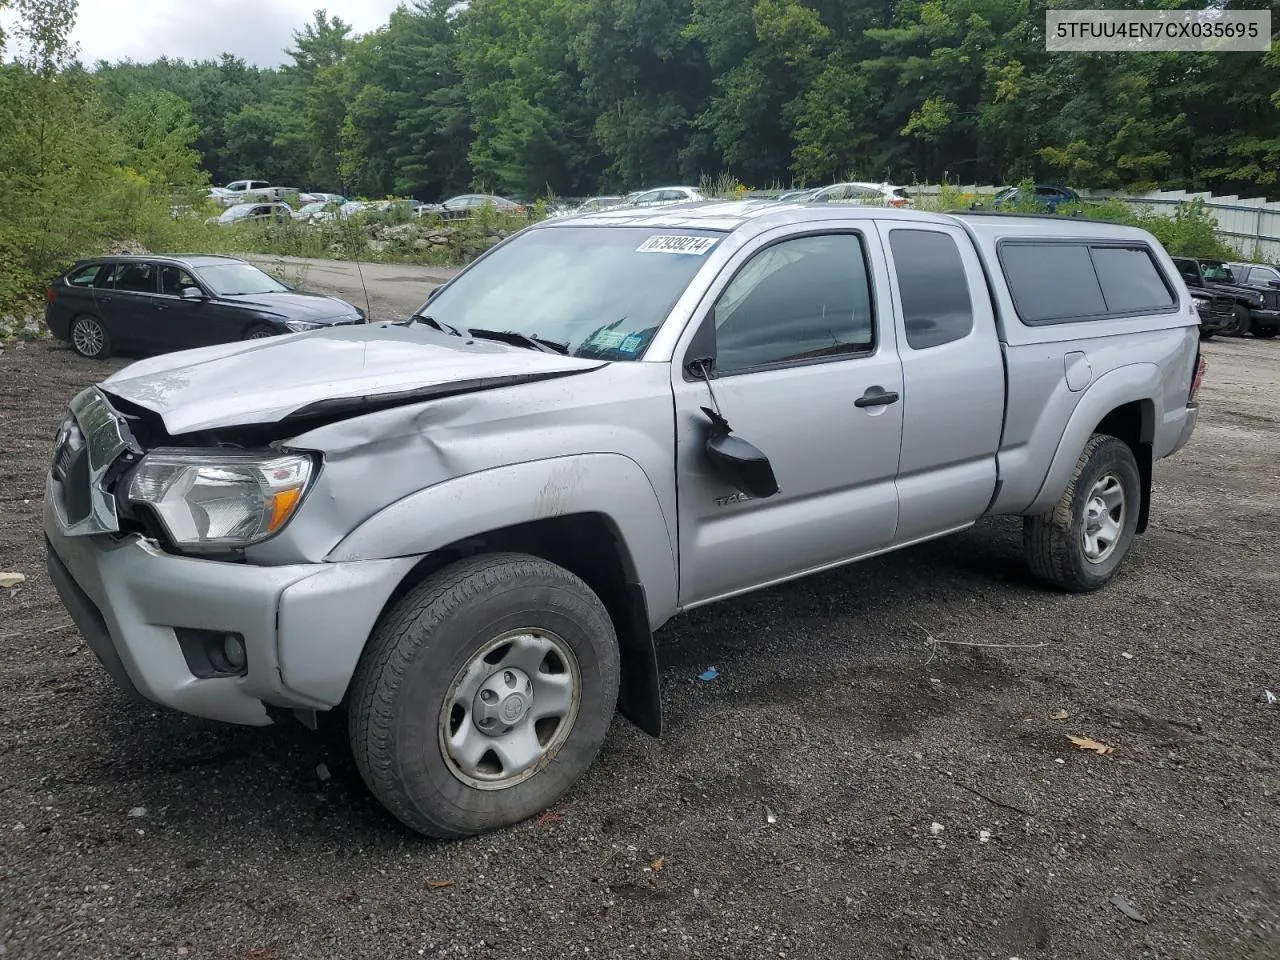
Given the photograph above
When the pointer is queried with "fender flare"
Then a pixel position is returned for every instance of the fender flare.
(1128, 384)
(611, 485)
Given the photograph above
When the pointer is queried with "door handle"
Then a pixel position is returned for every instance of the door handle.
(876, 397)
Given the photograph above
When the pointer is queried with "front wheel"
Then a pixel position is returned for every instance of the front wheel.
(259, 331)
(1241, 322)
(484, 694)
(1079, 545)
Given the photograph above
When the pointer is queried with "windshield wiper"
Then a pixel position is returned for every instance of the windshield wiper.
(533, 342)
(433, 322)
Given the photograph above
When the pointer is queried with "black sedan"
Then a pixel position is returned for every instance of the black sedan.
(173, 303)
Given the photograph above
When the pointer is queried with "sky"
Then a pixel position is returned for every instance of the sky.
(257, 30)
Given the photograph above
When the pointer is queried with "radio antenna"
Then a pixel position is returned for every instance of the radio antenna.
(355, 255)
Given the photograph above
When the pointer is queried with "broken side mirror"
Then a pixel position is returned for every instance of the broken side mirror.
(735, 461)
(741, 465)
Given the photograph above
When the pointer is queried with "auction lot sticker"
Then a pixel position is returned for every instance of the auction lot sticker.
(697, 246)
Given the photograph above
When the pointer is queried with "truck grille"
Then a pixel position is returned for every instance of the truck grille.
(89, 442)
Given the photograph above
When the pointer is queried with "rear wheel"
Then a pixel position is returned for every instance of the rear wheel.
(484, 694)
(1079, 545)
(89, 337)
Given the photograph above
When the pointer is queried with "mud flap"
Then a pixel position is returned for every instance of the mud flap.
(640, 695)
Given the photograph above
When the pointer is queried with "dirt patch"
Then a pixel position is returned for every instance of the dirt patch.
(830, 712)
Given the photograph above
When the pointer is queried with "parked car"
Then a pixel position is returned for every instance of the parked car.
(317, 211)
(223, 196)
(885, 194)
(1213, 309)
(662, 196)
(596, 204)
(1264, 322)
(254, 212)
(467, 204)
(172, 303)
(1216, 276)
(797, 196)
(465, 528)
(312, 197)
(241, 186)
(1048, 197)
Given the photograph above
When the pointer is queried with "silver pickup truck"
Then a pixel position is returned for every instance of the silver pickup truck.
(464, 528)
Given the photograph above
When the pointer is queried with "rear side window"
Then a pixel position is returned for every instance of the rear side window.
(1130, 281)
(936, 308)
(1052, 281)
(135, 277)
(85, 276)
(1062, 282)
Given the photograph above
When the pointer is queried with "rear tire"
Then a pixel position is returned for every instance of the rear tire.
(484, 694)
(89, 337)
(1078, 546)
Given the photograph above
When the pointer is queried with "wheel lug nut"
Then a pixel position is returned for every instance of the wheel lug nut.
(509, 678)
(488, 696)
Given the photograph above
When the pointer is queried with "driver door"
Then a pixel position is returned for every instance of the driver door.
(807, 370)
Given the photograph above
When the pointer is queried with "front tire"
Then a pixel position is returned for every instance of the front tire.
(89, 337)
(1078, 546)
(1242, 322)
(259, 331)
(484, 695)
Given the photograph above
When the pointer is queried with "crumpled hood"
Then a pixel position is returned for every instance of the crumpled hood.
(265, 381)
(313, 307)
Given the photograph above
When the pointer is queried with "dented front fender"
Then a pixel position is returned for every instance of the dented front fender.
(469, 506)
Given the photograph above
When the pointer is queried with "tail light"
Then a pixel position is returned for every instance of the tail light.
(898, 202)
(51, 294)
(1201, 366)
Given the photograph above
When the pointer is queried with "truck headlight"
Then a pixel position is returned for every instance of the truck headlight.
(210, 498)
(297, 326)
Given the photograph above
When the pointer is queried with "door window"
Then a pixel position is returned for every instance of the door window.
(802, 299)
(1188, 270)
(1263, 275)
(173, 280)
(135, 278)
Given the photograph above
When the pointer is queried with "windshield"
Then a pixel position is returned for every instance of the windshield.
(238, 279)
(1214, 270)
(601, 291)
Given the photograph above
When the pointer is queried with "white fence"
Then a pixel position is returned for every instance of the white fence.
(1251, 224)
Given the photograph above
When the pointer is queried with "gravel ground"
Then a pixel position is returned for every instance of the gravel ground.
(788, 810)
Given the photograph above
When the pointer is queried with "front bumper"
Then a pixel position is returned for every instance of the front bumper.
(1265, 318)
(304, 625)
